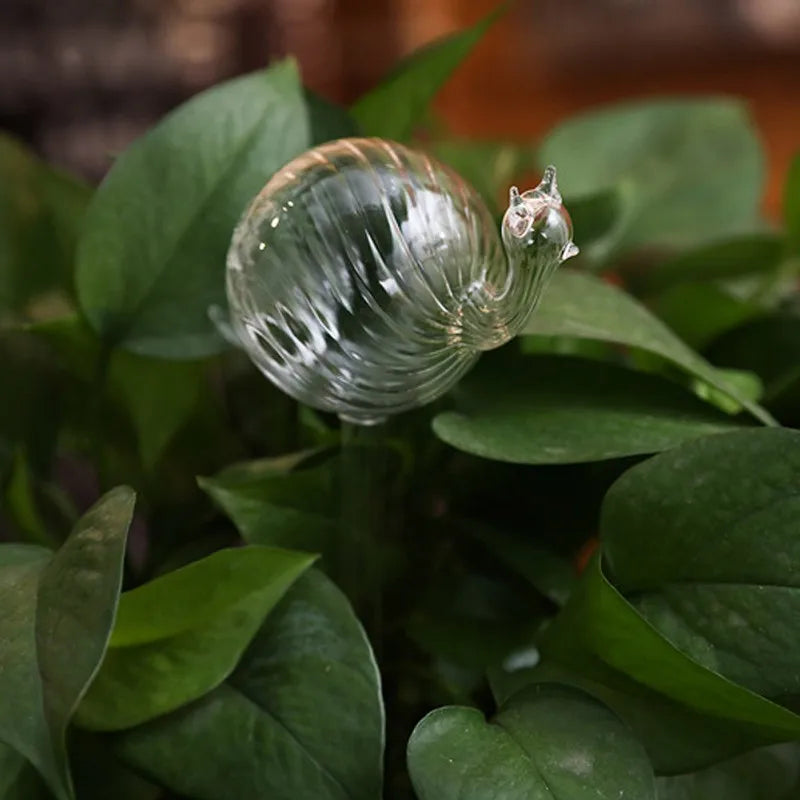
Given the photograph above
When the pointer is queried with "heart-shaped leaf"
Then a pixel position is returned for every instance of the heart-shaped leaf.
(547, 743)
(301, 717)
(151, 258)
(731, 556)
(671, 161)
(704, 541)
(686, 715)
(701, 539)
(175, 640)
(677, 738)
(600, 619)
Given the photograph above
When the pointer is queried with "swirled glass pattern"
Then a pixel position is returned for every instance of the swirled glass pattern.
(366, 277)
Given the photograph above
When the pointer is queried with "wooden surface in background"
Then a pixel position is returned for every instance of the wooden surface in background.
(80, 79)
(526, 75)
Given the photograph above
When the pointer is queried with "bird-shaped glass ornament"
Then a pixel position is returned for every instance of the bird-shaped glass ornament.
(366, 277)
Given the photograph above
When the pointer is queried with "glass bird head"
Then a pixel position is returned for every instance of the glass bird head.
(366, 277)
(537, 219)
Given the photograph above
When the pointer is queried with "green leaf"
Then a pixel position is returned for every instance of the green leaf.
(791, 205)
(747, 384)
(18, 780)
(595, 221)
(770, 773)
(551, 410)
(699, 312)
(151, 258)
(394, 107)
(327, 120)
(704, 541)
(770, 347)
(708, 527)
(40, 210)
(694, 495)
(550, 574)
(707, 530)
(159, 396)
(300, 718)
(279, 501)
(755, 253)
(14, 554)
(490, 167)
(584, 307)
(19, 503)
(54, 642)
(599, 622)
(467, 621)
(677, 738)
(175, 640)
(671, 161)
(549, 743)
(99, 773)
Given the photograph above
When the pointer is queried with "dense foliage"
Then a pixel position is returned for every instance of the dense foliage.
(590, 562)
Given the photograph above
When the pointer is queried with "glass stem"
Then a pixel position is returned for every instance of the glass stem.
(364, 499)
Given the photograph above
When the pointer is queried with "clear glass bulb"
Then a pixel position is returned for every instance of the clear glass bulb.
(366, 277)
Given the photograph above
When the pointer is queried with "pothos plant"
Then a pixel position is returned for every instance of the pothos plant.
(590, 572)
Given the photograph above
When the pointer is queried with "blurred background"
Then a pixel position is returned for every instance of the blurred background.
(80, 79)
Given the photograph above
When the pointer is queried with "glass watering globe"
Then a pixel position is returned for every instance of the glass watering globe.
(366, 278)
